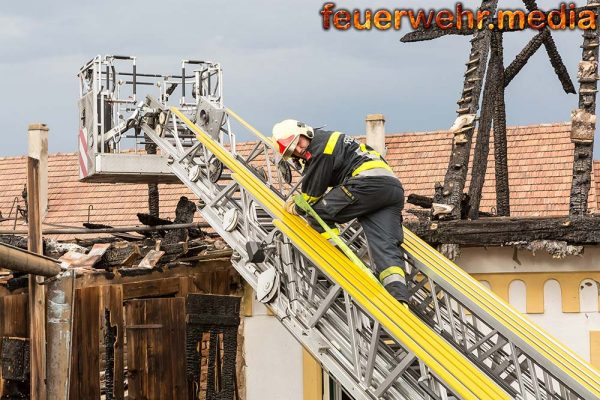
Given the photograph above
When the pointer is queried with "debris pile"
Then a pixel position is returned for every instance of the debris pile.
(128, 254)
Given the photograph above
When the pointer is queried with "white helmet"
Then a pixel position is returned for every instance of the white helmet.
(286, 135)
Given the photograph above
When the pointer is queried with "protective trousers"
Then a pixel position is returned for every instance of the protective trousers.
(377, 202)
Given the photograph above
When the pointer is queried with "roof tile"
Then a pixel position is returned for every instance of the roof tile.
(540, 173)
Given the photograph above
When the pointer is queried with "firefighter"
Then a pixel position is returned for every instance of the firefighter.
(362, 186)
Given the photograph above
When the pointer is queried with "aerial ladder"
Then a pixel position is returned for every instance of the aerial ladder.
(457, 341)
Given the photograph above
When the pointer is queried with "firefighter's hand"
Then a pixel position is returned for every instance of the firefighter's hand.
(290, 206)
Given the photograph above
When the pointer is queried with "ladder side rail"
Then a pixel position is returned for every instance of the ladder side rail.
(549, 369)
(451, 320)
(182, 174)
(555, 372)
(513, 318)
(276, 204)
(249, 272)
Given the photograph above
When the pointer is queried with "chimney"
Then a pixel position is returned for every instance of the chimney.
(376, 132)
(38, 149)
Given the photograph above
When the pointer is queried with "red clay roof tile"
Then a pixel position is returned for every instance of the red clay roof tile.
(540, 171)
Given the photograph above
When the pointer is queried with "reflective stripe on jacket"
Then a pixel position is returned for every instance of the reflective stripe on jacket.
(335, 158)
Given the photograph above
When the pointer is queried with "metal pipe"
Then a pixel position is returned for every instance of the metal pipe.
(120, 229)
(59, 312)
(134, 82)
(183, 82)
(20, 260)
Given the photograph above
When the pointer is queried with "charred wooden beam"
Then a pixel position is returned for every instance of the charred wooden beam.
(14, 359)
(184, 214)
(15, 368)
(553, 54)
(500, 146)
(151, 220)
(501, 231)
(427, 202)
(583, 123)
(218, 316)
(454, 181)
(15, 241)
(418, 200)
(422, 34)
(120, 254)
(521, 59)
(482, 145)
(81, 231)
(153, 194)
(110, 339)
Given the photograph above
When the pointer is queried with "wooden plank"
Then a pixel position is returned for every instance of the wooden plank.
(153, 288)
(155, 355)
(186, 286)
(37, 304)
(97, 309)
(151, 259)
(199, 269)
(14, 318)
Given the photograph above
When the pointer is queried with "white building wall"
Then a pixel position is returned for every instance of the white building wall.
(274, 368)
(572, 329)
(273, 359)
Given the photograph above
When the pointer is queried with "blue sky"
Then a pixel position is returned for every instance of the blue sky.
(278, 63)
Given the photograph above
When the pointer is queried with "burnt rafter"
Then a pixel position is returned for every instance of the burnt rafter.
(454, 182)
(521, 59)
(482, 145)
(492, 109)
(553, 54)
(500, 146)
(421, 34)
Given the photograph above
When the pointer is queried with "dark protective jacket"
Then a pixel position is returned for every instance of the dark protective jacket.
(334, 159)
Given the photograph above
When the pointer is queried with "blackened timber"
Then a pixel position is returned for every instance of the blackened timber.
(15, 366)
(151, 220)
(15, 241)
(427, 202)
(418, 200)
(220, 317)
(421, 34)
(110, 339)
(501, 231)
(500, 146)
(153, 194)
(184, 213)
(454, 181)
(583, 152)
(580, 185)
(521, 59)
(14, 359)
(482, 145)
(553, 54)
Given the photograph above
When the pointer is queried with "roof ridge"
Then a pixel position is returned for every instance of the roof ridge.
(510, 127)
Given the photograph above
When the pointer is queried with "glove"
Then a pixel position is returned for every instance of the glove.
(290, 206)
